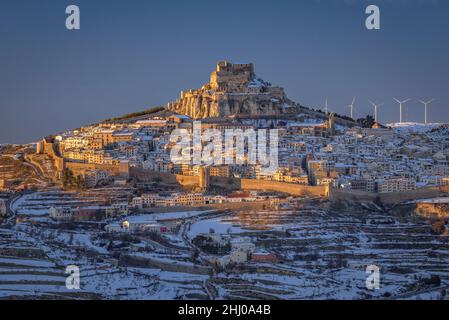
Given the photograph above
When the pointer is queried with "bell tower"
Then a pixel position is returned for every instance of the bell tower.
(331, 124)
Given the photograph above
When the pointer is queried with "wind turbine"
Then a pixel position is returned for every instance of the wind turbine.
(351, 106)
(425, 103)
(400, 107)
(376, 107)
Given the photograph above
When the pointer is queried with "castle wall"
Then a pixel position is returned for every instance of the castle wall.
(115, 170)
(49, 148)
(231, 184)
(166, 178)
(289, 188)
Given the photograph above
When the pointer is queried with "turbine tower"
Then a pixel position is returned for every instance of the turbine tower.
(376, 108)
(351, 106)
(426, 103)
(400, 107)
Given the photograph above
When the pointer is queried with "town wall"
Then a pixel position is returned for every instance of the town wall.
(289, 188)
(232, 184)
(79, 168)
(47, 146)
(144, 175)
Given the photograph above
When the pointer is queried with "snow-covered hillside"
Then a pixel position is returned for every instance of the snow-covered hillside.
(413, 127)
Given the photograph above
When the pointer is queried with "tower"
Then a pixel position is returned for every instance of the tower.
(331, 124)
(40, 147)
(204, 182)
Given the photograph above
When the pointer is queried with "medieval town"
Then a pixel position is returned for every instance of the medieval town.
(111, 199)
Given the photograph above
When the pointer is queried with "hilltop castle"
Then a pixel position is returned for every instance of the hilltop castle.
(233, 90)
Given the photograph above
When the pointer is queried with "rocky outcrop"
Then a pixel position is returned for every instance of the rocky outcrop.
(433, 210)
(234, 90)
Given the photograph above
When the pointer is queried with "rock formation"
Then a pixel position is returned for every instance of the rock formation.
(234, 90)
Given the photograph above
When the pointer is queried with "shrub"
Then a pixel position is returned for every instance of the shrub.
(438, 227)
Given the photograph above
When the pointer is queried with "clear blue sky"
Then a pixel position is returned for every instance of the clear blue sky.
(131, 55)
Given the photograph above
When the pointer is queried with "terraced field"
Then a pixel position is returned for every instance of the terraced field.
(322, 255)
(33, 261)
(27, 272)
(39, 203)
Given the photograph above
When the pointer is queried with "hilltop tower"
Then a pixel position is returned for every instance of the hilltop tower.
(230, 77)
(331, 124)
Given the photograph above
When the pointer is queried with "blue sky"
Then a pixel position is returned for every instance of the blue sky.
(131, 55)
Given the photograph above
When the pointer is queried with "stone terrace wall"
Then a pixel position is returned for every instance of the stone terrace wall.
(133, 261)
(388, 198)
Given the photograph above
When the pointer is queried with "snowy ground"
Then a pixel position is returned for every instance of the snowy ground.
(323, 255)
(413, 127)
(433, 200)
(39, 203)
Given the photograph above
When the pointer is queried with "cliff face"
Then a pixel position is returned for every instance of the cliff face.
(433, 210)
(234, 89)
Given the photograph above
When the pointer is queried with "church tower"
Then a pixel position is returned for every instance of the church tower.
(331, 124)
(204, 178)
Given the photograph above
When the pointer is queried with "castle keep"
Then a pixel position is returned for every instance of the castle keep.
(234, 89)
(231, 77)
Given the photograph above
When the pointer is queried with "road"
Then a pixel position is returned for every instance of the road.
(210, 290)
(11, 213)
(36, 169)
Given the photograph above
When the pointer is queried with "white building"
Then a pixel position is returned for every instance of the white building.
(238, 257)
(61, 213)
(116, 209)
(74, 143)
(395, 185)
(115, 228)
(173, 200)
(243, 245)
(93, 177)
(142, 226)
